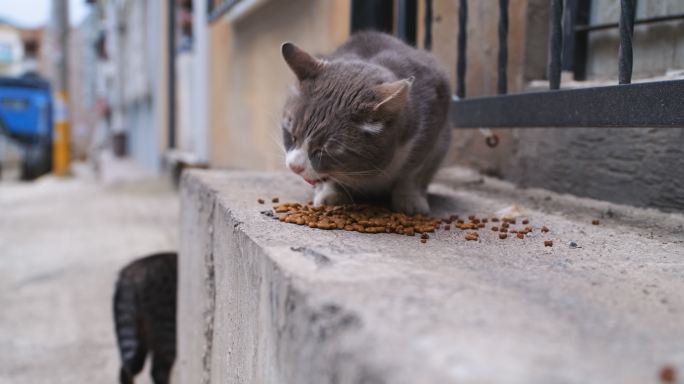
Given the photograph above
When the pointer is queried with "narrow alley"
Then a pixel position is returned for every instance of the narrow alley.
(63, 242)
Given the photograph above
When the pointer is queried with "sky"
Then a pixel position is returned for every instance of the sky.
(34, 13)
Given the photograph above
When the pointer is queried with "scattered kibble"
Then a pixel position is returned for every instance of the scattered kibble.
(473, 236)
(260, 201)
(359, 218)
(595, 222)
(371, 219)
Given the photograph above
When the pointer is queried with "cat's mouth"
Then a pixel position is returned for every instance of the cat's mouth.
(314, 181)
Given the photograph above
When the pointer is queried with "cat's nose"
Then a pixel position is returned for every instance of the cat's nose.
(296, 168)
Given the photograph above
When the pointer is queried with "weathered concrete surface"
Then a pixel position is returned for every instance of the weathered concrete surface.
(267, 302)
(643, 167)
(62, 243)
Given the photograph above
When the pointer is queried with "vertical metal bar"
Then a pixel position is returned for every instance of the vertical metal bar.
(627, 13)
(376, 15)
(575, 42)
(569, 11)
(462, 39)
(502, 87)
(555, 43)
(406, 20)
(427, 41)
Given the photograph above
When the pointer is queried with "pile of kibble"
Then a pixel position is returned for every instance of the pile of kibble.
(372, 219)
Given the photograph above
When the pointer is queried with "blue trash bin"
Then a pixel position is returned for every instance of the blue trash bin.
(26, 118)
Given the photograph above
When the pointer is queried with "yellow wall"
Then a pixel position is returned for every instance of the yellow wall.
(248, 79)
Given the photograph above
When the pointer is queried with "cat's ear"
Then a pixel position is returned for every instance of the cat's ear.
(393, 96)
(302, 64)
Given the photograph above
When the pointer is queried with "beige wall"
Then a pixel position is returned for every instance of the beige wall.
(528, 25)
(249, 80)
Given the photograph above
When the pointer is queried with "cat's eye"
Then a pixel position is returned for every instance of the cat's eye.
(288, 139)
(316, 157)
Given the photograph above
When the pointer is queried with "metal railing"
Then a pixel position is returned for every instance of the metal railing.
(653, 104)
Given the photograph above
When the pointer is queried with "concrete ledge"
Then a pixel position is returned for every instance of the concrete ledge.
(266, 302)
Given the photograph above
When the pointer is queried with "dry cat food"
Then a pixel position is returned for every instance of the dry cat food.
(595, 222)
(359, 218)
(260, 201)
(373, 219)
(548, 243)
(472, 236)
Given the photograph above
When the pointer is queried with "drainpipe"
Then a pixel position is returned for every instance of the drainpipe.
(172, 74)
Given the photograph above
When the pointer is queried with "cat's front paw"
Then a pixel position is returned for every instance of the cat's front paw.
(410, 204)
(328, 194)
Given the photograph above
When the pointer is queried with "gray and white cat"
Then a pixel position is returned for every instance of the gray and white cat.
(367, 120)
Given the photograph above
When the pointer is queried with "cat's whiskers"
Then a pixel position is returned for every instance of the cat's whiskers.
(359, 154)
(344, 188)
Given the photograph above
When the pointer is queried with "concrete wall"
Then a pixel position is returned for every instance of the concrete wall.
(249, 79)
(265, 302)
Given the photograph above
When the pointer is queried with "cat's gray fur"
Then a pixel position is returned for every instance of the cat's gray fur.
(367, 120)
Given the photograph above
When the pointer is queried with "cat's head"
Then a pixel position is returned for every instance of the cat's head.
(340, 120)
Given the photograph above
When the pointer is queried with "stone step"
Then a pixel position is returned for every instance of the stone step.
(261, 301)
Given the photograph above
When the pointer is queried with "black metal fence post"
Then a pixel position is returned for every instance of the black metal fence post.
(502, 87)
(555, 44)
(427, 41)
(462, 38)
(627, 13)
(406, 20)
(575, 40)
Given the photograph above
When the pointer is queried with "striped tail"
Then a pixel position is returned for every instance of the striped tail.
(128, 328)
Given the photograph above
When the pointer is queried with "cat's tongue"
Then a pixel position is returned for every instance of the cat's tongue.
(314, 181)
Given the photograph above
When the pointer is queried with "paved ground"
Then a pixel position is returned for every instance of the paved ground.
(61, 245)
